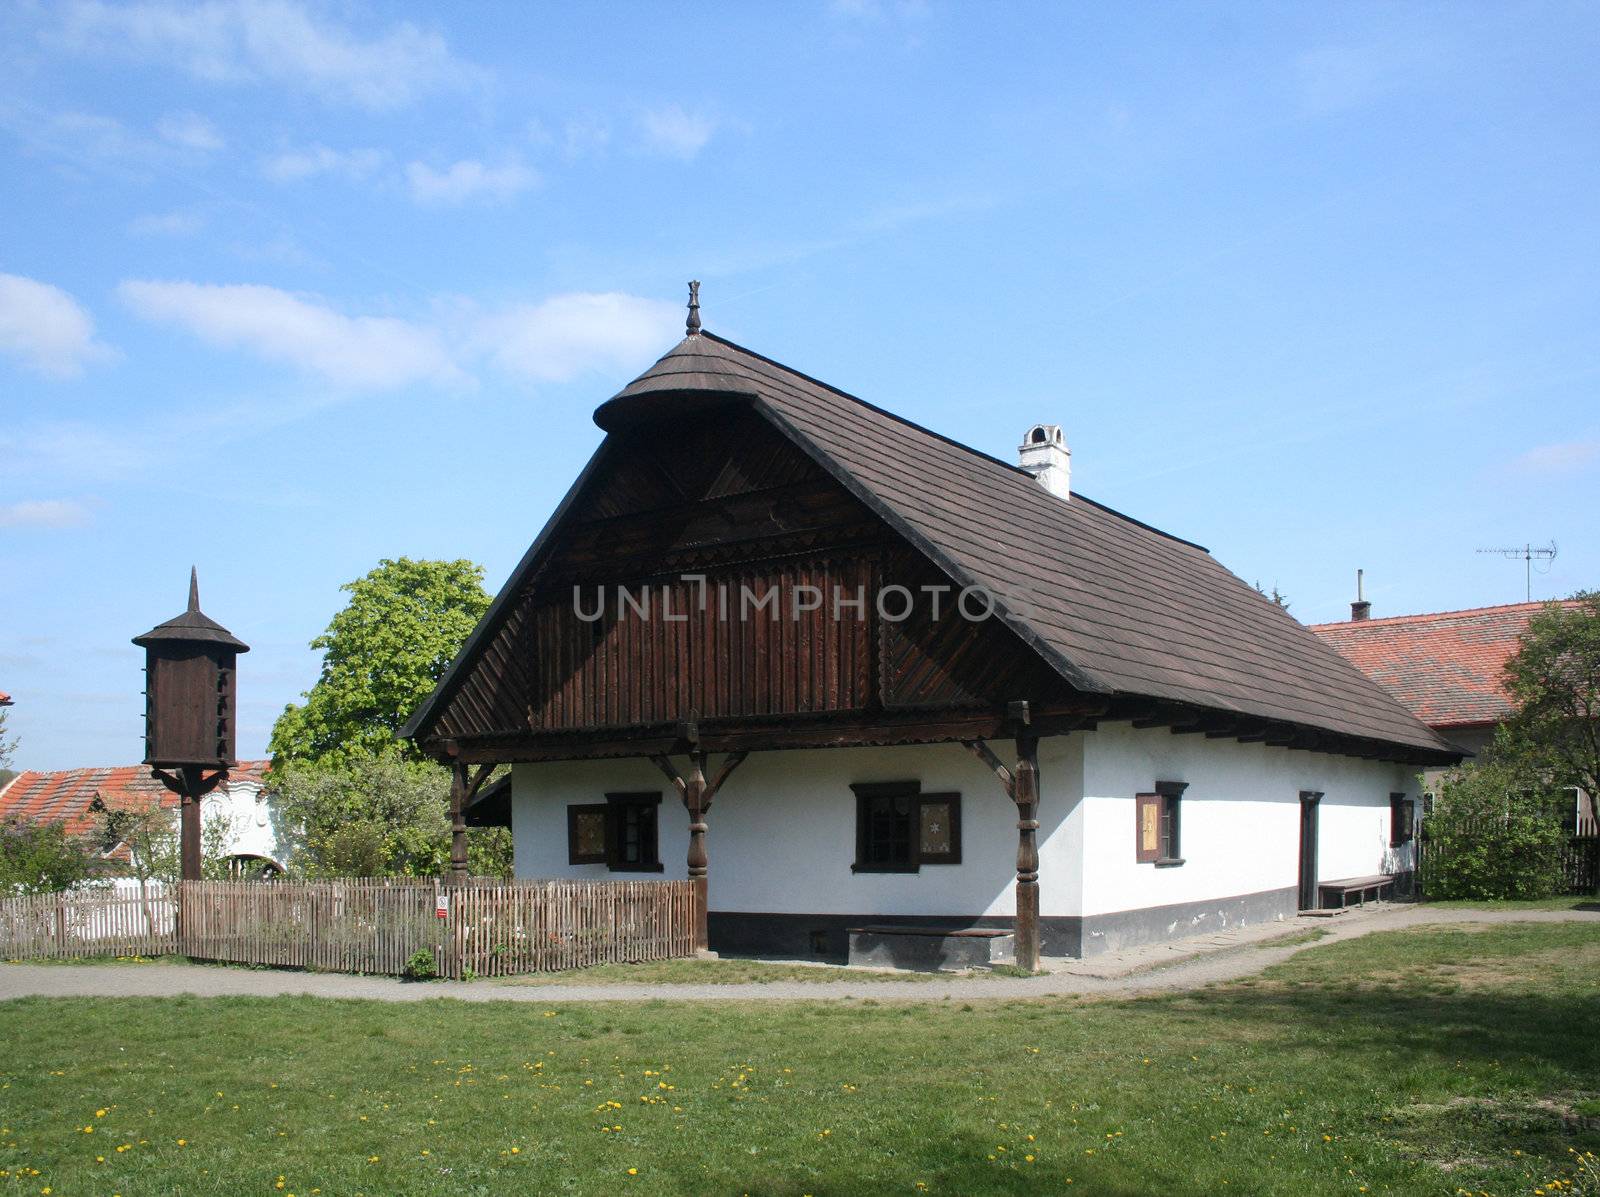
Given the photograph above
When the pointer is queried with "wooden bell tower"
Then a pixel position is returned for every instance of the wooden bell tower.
(189, 711)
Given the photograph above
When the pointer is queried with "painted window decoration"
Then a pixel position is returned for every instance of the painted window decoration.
(1159, 824)
(586, 834)
(620, 833)
(899, 829)
(1402, 820)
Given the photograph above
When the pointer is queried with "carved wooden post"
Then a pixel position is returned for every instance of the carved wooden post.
(1026, 795)
(189, 854)
(694, 800)
(458, 823)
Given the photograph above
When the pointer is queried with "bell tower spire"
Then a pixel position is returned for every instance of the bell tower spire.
(692, 324)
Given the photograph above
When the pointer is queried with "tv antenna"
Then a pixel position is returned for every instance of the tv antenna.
(1528, 554)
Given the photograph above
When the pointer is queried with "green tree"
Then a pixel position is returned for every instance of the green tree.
(1494, 832)
(149, 834)
(379, 813)
(8, 744)
(382, 655)
(41, 858)
(1554, 679)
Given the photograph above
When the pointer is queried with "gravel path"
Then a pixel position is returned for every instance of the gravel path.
(1205, 965)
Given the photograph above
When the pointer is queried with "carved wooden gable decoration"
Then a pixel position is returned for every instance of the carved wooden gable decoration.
(708, 568)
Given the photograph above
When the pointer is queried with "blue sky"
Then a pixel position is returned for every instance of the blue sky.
(286, 288)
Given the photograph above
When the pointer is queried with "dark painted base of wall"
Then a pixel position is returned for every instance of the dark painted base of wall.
(1158, 924)
(826, 936)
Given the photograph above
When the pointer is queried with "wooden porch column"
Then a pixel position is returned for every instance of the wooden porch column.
(464, 786)
(1026, 796)
(458, 824)
(694, 801)
(1021, 784)
(697, 793)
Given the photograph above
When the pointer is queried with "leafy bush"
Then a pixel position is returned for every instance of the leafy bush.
(42, 858)
(421, 966)
(1494, 832)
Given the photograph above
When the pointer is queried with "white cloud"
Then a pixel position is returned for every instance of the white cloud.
(675, 133)
(363, 352)
(566, 335)
(44, 513)
(587, 134)
(291, 166)
(274, 40)
(467, 180)
(45, 327)
(553, 340)
(166, 224)
(189, 130)
(1560, 458)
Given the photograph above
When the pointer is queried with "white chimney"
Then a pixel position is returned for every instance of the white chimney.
(1044, 454)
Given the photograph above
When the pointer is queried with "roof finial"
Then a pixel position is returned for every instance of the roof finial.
(194, 589)
(692, 324)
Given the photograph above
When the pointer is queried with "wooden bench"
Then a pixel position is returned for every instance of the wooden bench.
(1359, 886)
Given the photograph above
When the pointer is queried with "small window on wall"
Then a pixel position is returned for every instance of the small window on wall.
(1159, 824)
(899, 828)
(1402, 819)
(633, 844)
(620, 833)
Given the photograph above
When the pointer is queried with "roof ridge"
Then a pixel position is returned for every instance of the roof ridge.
(939, 436)
(266, 760)
(1421, 616)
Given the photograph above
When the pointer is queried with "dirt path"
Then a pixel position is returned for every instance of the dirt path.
(1204, 966)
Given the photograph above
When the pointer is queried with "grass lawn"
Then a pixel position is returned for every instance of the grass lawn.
(1426, 1061)
(1568, 902)
(727, 971)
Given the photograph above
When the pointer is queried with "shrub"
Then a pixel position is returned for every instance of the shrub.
(1494, 832)
(421, 966)
(41, 858)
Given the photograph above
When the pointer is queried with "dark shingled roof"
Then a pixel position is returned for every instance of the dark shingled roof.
(194, 625)
(1116, 606)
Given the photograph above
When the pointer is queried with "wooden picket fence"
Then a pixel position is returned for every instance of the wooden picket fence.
(100, 922)
(365, 925)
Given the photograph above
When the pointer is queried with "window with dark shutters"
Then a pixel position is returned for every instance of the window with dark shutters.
(632, 822)
(1402, 819)
(1159, 824)
(899, 828)
(620, 833)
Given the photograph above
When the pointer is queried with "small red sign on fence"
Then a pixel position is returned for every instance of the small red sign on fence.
(441, 906)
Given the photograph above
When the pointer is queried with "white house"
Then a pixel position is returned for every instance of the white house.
(919, 685)
(240, 821)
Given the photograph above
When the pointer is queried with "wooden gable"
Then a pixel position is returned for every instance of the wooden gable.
(709, 569)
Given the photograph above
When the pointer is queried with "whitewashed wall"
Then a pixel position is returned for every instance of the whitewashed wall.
(1240, 830)
(251, 828)
(783, 831)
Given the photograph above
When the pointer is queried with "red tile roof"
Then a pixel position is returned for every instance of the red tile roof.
(64, 796)
(1447, 666)
(5, 699)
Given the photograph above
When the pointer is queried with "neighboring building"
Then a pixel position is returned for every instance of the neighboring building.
(1200, 758)
(1448, 668)
(253, 841)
